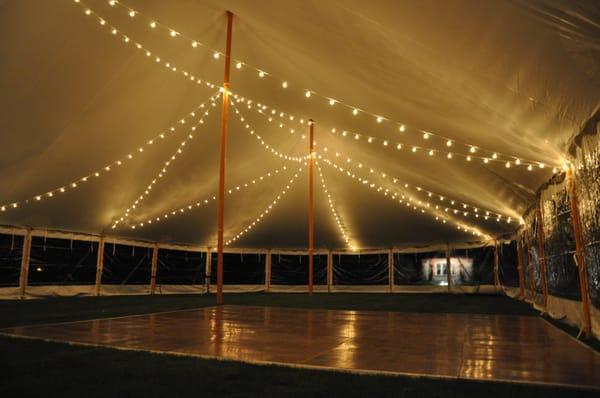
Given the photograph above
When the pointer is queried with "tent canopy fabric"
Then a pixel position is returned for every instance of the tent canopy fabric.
(517, 78)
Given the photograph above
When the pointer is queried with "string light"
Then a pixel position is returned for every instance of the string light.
(421, 189)
(101, 171)
(204, 202)
(340, 225)
(442, 216)
(267, 209)
(355, 110)
(161, 173)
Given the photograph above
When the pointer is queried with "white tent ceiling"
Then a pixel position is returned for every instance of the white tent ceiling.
(514, 77)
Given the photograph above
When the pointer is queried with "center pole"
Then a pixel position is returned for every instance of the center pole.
(221, 194)
(311, 214)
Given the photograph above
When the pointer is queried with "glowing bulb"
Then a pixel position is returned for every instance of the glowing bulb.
(102, 22)
(114, 31)
(450, 155)
(173, 33)
(473, 149)
(486, 160)
(399, 146)
(332, 102)
(261, 74)
(495, 155)
(238, 65)
(469, 158)
(529, 168)
(284, 84)
(216, 55)
(402, 128)
(507, 165)
(449, 143)
(518, 161)
(542, 165)
(425, 136)
(355, 111)
(307, 94)
(132, 13)
(379, 119)
(431, 152)
(414, 149)
(153, 24)
(112, 2)
(88, 11)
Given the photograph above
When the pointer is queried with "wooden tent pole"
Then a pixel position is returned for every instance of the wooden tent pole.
(496, 266)
(579, 255)
(542, 255)
(448, 268)
(153, 268)
(268, 271)
(530, 268)
(311, 214)
(391, 270)
(99, 267)
(520, 268)
(221, 194)
(207, 269)
(329, 270)
(24, 275)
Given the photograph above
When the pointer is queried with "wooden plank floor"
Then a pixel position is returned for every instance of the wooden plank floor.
(484, 347)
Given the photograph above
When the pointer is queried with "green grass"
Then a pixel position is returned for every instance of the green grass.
(32, 368)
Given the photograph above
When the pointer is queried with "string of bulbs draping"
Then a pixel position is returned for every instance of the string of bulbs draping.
(410, 203)
(160, 174)
(474, 153)
(267, 209)
(110, 166)
(378, 117)
(190, 206)
(338, 220)
(486, 213)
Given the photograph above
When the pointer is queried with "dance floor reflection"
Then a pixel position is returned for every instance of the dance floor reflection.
(485, 347)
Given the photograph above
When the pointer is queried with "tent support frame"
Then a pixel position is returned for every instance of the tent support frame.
(311, 205)
(520, 267)
(221, 194)
(579, 255)
(24, 275)
(153, 269)
(542, 255)
(99, 267)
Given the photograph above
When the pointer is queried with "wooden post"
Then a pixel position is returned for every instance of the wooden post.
(530, 268)
(311, 214)
(496, 266)
(329, 271)
(99, 267)
(580, 255)
(541, 255)
(391, 270)
(268, 271)
(25, 255)
(448, 268)
(153, 269)
(221, 194)
(207, 268)
(520, 268)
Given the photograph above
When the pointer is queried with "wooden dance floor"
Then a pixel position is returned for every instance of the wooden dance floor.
(483, 347)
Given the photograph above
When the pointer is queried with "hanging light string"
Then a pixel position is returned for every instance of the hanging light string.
(204, 202)
(161, 173)
(338, 220)
(466, 207)
(118, 34)
(52, 193)
(485, 213)
(448, 209)
(507, 159)
(408, 201)
(474, 153)
(267, 209)
(262, 142)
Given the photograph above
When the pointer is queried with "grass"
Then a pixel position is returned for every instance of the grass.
(32, 368)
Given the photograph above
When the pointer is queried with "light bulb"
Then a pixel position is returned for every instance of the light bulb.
(112, 2)
(431, 152)
(425, 136)
(88, 11)
(402, 128)
(331, 102)
(173, 33)
(132, 13)
(449, 143)
(355, 111)
(284, 84)
(153, 24)
(379, 119)
(216, 55)
(495, 155)
(261, 74)
(307, 94)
